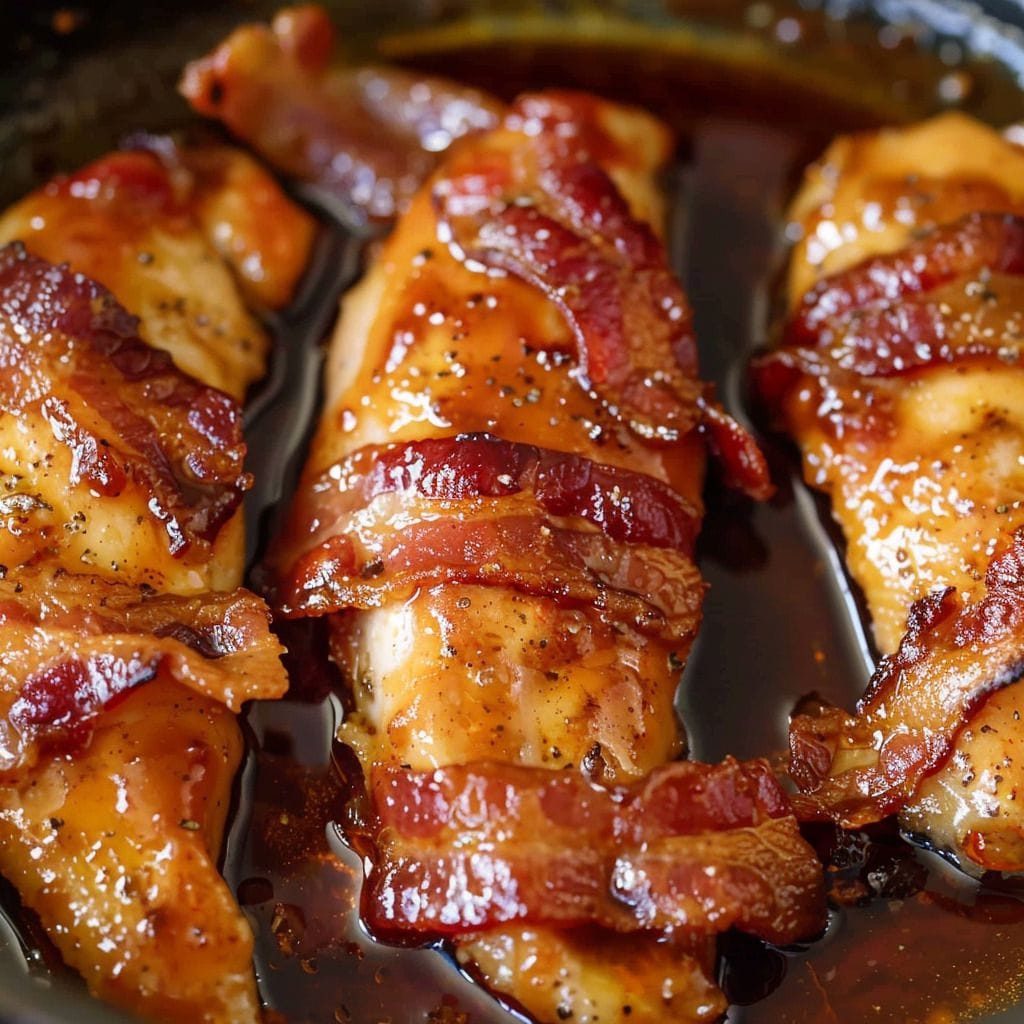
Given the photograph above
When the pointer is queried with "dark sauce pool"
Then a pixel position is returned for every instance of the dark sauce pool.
(909, 939)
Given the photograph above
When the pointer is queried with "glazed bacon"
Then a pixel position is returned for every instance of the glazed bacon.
(471, 544)
(624, 505)
(891, 315)
(556, 220)
(70, 645)
(476, 509)
(471, 848)
(990, 241)
(129, 425)
(367, 136)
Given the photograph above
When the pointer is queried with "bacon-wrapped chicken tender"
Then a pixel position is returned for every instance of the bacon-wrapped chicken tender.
(498, 515)
(124, 649)
(899, 377)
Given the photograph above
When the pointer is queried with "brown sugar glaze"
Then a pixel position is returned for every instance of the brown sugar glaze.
(912, 940)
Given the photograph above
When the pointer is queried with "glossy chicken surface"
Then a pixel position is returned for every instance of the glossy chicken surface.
(186, 240)
(115, 848)
(498, 515)
(899, 377)
(124, 648)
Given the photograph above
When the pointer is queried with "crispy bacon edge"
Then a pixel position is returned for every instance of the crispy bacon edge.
(701, 847)
(195, 475)
(550, 215)
(951, 659)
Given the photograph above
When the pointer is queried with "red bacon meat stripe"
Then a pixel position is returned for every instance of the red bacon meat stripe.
(698, 846)
(480, 510)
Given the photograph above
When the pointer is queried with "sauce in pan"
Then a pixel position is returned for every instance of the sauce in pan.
(909, 939)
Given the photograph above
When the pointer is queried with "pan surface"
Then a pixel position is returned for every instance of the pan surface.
(755, 90)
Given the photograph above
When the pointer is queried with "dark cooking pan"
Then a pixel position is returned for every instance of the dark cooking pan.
(755, 90)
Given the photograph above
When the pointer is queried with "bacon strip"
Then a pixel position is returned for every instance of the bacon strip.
(397, 547)
(626, 506)
(468, 848)
(991, 240)
(369, 137)
(69, 645)
(887, 316)
(475, 509)
(860, 769)
(556, 220)
(60, 333)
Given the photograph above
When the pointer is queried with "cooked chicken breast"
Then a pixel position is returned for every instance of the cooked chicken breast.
(186, 239)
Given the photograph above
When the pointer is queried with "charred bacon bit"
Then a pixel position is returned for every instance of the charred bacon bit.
(862, 768)
(70, 645)
(891, 315)
(737, 454)
(62, 334)
(468, 848)
(368, 137)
